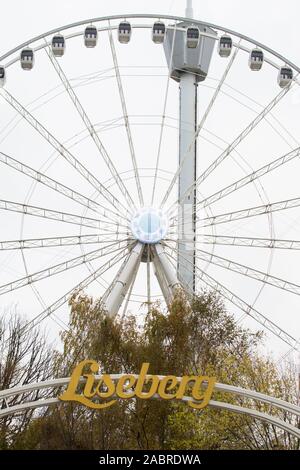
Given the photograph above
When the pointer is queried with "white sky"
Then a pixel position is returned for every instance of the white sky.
(272, 23)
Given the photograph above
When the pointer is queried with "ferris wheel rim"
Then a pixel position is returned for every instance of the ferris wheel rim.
(152, 16)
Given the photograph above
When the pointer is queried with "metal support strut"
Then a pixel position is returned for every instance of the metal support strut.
(167, 268)
(120, 286)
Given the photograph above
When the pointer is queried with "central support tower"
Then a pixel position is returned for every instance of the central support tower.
(188, 63)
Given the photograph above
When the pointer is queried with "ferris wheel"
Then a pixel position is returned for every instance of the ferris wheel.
(144, 153)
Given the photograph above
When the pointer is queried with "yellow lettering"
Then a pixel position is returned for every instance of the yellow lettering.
(166, 384)
(201, 396)
(206, 394)
(125, 383)
(89, 388)
(71, 395)
(83, 387)
(142, 379)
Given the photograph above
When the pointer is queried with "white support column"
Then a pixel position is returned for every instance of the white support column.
(165, 289)
(123, 280)
(187, 177)
(189, 12)
(167, 268)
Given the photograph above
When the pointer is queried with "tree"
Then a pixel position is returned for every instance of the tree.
(24, 358)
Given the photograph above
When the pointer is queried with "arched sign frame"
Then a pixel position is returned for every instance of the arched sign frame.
(246, 393)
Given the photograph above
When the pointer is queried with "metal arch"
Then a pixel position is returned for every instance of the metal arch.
(151, 16)
(247, 393)
(56, 383)
(257, 415)
(214, 404)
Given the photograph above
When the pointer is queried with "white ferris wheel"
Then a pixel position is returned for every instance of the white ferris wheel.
(142, 152)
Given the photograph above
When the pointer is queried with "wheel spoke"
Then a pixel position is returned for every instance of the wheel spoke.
(94, 135)
(271, 243)
(59, 216)
(61, 267)
(56, 186)
(246, 308)
(64, 152)
(248, 272)
(125, 116)
(249, 310)
(249, 178)
(47, 242)
(82, 285)
(251, 212)
(163, 118)
(236, 142)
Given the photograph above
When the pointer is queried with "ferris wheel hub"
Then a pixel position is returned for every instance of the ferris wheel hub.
(149, 225)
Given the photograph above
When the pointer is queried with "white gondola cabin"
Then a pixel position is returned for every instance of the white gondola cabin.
(27, 59)
(58, 45)
(256, 59)
(225, 46)
(124, 32)
(158, 32)
(285, 76)
(192, 37)
(90, 36)
(2, 76)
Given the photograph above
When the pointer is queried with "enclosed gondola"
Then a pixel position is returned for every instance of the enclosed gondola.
(225, 46)
(27, 59)
(158, 32)
(192, 37)
(256, 59)
(285, 76)
(90, 36)
(58, 45)
(124, 32)
(2, 76)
